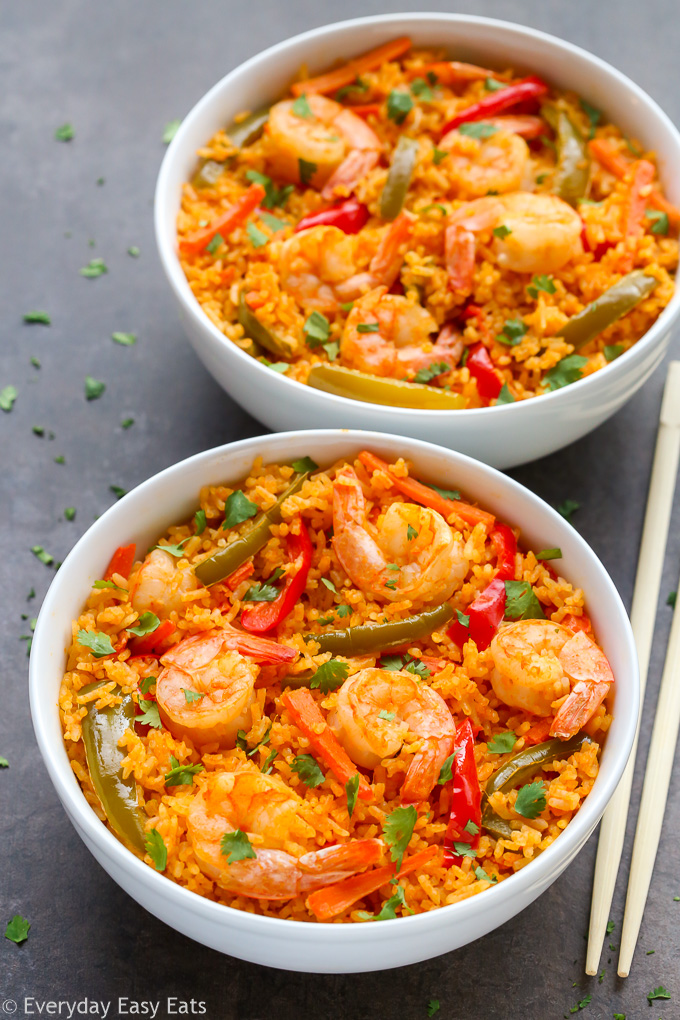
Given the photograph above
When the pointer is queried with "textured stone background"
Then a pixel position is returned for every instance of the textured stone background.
(119, 72)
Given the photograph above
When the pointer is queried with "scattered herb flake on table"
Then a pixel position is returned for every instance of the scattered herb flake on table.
(170, 130)
(127, 423)
(65, 133)
(117, 491)
(567, 508)
(93, 388)
(134, 251)
(672, 599)
(17, 930)
(4, 764)
(60, 459)
(658, 993)
(7, 397)
(94, 268)
(70, 513)
(35, 361)
(124, 339)
(34, 317)
(432, 1007)
(43, 556)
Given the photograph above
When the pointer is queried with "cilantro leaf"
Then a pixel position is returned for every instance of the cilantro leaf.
(531, 800)
(43, 556)
(513, 331)
(147, 624)
(411, 533)
(214, 243)
(492, 85)
(399, 105)
(594, 116)
(567, 508)
(99, 644)
(4, 764)
(41, 317)
(482, 876)
(266, 766)
(146, 684)
(308, 769)
(356, 86)
(238, 508)
(329, 676)
(170, 130)
(261, 593)
(181, 775)
(612, 352)
(433, 1007)
(127, 422)
(389, 908)
(156, 849)
(672, 599)
(549, 554)
(124, 339)
(70, 513)
(304, 465)
(398, 829)
(541, 283)
(134, 251)
(190, 696)
(236, 846)
(477, 129)
(502, 743)
(505, 396)
(7, 397)
(471, 827)
(276, 366)
(445, 493)
(438, 155)
(660, 222)
(329, 584)
(93, 388)
(446, 771)
(301, 107)
(109, 584)
(17, 929)
(565, 372)
(258, 238)
(273, 196)
(610, 927)
(117, 491)
(65, 133)
(150, 715)
(521, 602)
(273, 222)
(387, 716)
(352, 790)
(200, 521)
(464, 849)
(94, 268)
(173, 550)
(306, 170)
(317, 329)
(422, 90)
(332, 349)
(502, 232)
(658, 993)
(426, 375)
(368, 327)
(343, 611)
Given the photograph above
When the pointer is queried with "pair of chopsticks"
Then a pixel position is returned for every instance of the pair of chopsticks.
(667, 720)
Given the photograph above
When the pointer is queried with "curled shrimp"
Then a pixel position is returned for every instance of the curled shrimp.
(542, 233)
(264, 807)
(409, 553)
(320, 266)
(375, 711)
(477, 166)
(402, 336)
(336, 143)
(206, 687)
(160, 585)
(537, 662)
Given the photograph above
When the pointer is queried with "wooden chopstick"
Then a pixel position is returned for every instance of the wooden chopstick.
(642, 617)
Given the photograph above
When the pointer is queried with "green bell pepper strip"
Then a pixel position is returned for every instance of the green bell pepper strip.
(102, 729)
(249, 129)
(398, 178)
(373, 389)
(208, 174)
(225, 561)
(616, 302)
(254, 329)
(517, 770)
(383, 636)
(572, 174)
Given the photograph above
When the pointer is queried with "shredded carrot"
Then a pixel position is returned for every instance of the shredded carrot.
(335, 899)
(617, 164)
(121, 561)
(643, 175)
(423, 494)
(308, 717)
(350, 71)
(194, 243)
(241, 573)
(539, 732)
(448, 72)
(151, 642)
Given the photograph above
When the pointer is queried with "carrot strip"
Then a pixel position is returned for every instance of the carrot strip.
(121, 561)
(539, 732)
(308, 717)
(643, 175)
(194, 243)
(335, 899)
(366, 109)
(241, 573)
(346, 74)
(613, 161)
(423, 494)
(150, 642)
(448, 72)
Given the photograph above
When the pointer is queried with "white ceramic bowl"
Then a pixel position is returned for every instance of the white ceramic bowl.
(502, 436)
(295, 945)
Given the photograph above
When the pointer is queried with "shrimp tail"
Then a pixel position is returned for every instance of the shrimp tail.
(578, 708)
(351, 171)
(460, 247)
(333, 863)
(424, 770)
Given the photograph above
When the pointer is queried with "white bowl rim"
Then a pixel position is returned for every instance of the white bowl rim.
(166, 241)
(86, 821)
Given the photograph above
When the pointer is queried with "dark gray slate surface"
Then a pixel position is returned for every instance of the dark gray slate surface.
(119, 72)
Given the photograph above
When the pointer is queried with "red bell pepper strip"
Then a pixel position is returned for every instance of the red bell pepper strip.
(121, 562)
(231, 218)
(259, 617)
(505, 546)
(577, 623)
(496, 102)
(307, 716)
(466, 796)
(151, 642)
(489, 383)
(426, 496)
(486, 612)
(349, 216)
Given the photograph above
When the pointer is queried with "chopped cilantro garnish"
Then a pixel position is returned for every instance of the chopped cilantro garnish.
(672, 599)
(147, 624)
(541, 283)
(368, 327)
(329, 584)
(521, 602)
(549, 554)
(43, 556)
(191, 697)
(477, 129)
(7, 397)
(399, 105)
(304, 464)
(170, 130)
(266, 766)
(127, 423)
(492, 85)
(70, 513)
(306, 170)
(613, 351)
(215, 243)
(150, 715)
(446, 771)
(124, 339)
(238, 508)
(93, 388)
(329, 676)
(307, 767)
(389, 907)
(502, 743)
(181, 775)
(200, 522)
(257, 237)
(273, 222)
(501, 232)
(38, 430)
(660, 223)
(426, 375)
(99, 644)
(316, 329)
(464, 849)
(565, 372)
(236, 846)
(65, 133)
(273, 196)
(156, 849)
(658, 993)
(531, 800)
(356, 86)
(352, 790)
(17, 930)
(438, 155)
(146, 684)
(422, 90)
(594, 116)
(134, 251)
(513, 331)
(445, 493)
(4, 764)
(173, 550)
(398, 829)
(117, 491)
(261, 593)
(433, 205)
(482, 876)
(411, 533)
(387, 716)
(471, 828)
(567, 508)
(301, 107)
(432, 1007)
(505, 396)
(276, 366)
(41, 317)
(332, 349)
(94, 268)
(35, 361)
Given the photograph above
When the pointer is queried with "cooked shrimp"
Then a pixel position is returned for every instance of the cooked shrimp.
(409, 553)
(375, 711)
(160, 585)
(535, 664)
(319, 267)
(477, 166)
(264, 807)
(337, 142)
(542, 232)
(403, 328)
